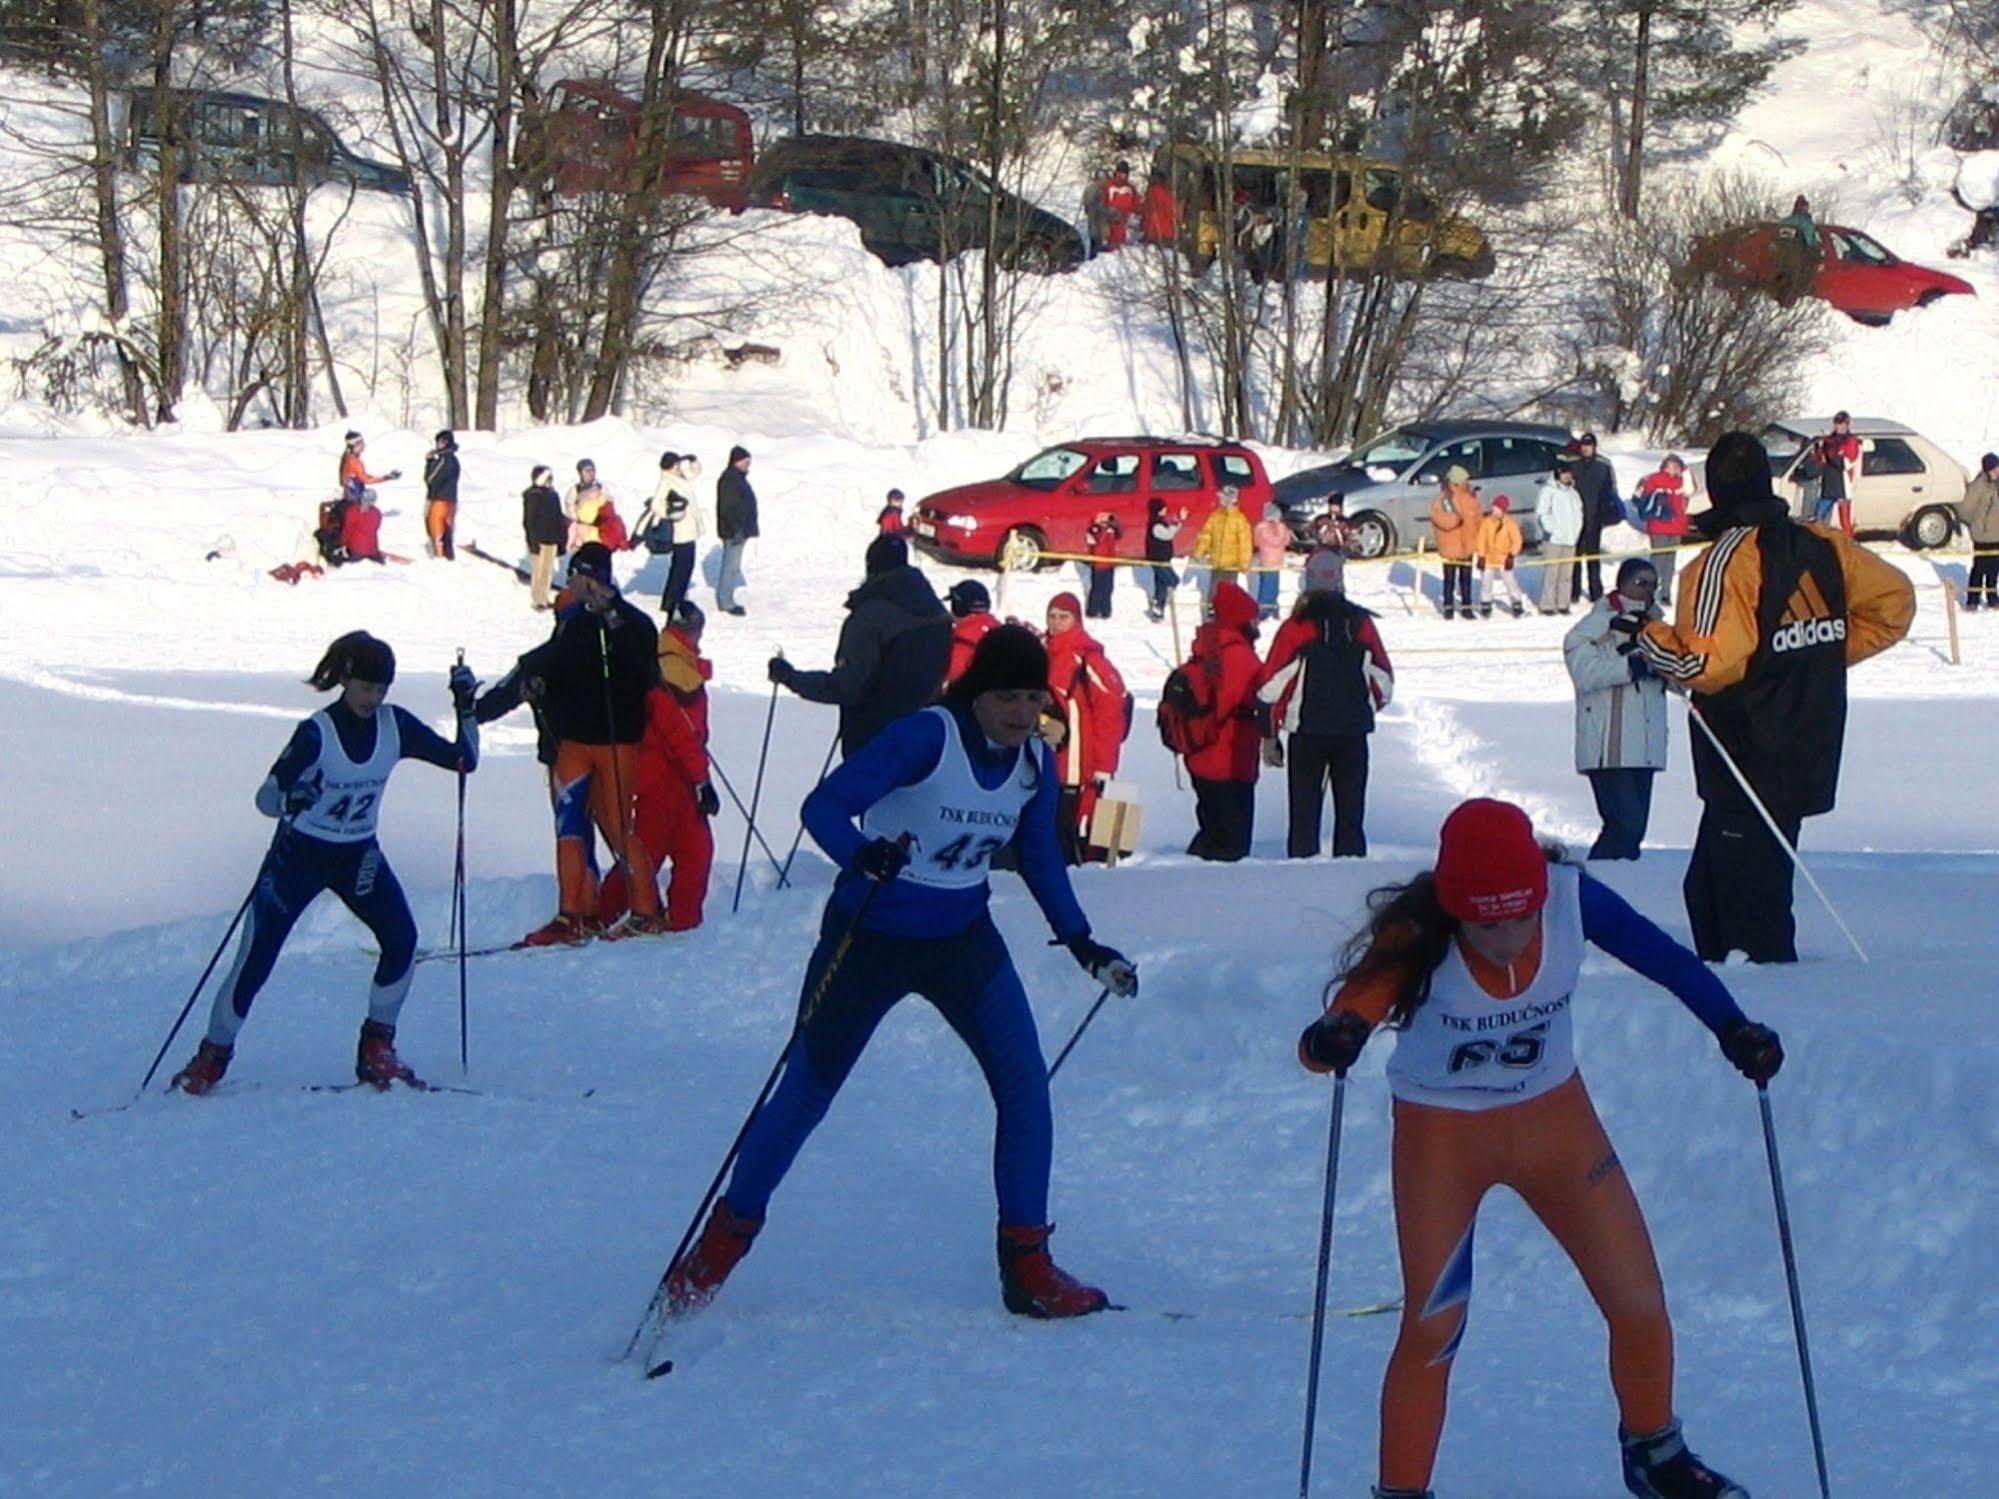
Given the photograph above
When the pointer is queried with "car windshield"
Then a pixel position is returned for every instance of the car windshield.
(1046, 470)
(1392, 449)
(1861, 250)
(1783, 446)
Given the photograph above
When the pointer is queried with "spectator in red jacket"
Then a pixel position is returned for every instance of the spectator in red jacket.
(674, 798)
(1101, 540)
(1838, 456)
(971, 616)
(1224, 771)
(1086, 721)
(1159, 211)
(1326, 677)
(361, 529)
(889, 521)
(1121, 205)
(1662, 506)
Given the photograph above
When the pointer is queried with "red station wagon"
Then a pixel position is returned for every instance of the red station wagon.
(593, 133)
(1858, 274)
(1047, 503)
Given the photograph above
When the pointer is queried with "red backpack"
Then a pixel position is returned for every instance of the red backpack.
(1186, 716)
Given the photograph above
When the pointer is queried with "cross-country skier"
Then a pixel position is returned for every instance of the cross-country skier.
(327, 787)
(1474, 963)
(958, 781)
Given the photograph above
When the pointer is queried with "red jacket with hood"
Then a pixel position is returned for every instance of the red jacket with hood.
(1090, 698)
(1223, 645)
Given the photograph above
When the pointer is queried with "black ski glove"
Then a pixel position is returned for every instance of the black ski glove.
(1106, 965)
(1754, 1049)
(1332, 1043)
(305, 791)
(1627, 624)
(880, 859)
(463, 686)
(779, 671)
(706, 799)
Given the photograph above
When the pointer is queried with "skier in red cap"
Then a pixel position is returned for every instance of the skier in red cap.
(1475, 964)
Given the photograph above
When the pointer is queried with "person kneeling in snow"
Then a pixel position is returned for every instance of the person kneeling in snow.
(935, 795)
(1491, 943)
(327, 790)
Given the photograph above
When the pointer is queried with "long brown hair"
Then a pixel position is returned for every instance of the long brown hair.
(1407, 937)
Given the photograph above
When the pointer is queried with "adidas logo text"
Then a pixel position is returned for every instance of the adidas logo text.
(1808, 632)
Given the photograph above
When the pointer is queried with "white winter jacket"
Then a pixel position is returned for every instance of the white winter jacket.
(1620, 724)
(673, 501)
(1559, 509)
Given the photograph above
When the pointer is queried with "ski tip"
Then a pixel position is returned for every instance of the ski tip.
(664, 1366)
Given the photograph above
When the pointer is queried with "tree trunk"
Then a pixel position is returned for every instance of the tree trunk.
(110, 229)
(172, 322)
(1632, 177)
(451, 139)
(296, 395)
(493, 288)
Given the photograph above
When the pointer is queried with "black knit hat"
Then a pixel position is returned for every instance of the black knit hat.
(1738, 473)
(886, 551)
(668, 459)
(1989, 462)
(593, 560)
(687, 616)
(968, 596)
(447, 437)
(738, 453)
(1009, 658)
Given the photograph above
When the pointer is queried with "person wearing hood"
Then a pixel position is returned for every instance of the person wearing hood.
(674, 799)
(1768, 621)
(1272, 539)
(1496, 546)
(1326, 677)
(672, 518)
(1979, 510)
(1088, 717)
(440, 486)
(971, 617)
(1620, 708)
(736, 524)
(1224, 770)
(893, 650)
(1224, 543)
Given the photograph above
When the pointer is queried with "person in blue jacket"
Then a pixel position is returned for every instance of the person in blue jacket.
(326, 789)
(913, 820)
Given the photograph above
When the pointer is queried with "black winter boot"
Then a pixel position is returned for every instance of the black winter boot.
(1381, 1493)
(1661, 1466)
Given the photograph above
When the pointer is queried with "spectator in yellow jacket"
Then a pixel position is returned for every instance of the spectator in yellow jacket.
(1224, 544)
(1498, 542)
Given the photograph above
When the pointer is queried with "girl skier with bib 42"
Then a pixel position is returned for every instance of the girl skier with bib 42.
(327, 790)
(1475, 964)
(935, 794)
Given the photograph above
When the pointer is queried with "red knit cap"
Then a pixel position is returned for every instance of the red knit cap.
(1067, 601)
(1489, 868)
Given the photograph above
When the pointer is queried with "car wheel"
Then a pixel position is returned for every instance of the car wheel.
(1929, 528)
(1373, 534)
(1929, 297)
(1024, 546)
(1870, 319)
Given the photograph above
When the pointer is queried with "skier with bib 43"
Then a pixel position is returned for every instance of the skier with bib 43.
(1474, 963)
(327, 787)
(913, 819)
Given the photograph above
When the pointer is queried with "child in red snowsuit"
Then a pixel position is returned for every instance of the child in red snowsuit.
(674, 796)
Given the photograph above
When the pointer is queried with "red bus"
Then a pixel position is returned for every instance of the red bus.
(593, 131)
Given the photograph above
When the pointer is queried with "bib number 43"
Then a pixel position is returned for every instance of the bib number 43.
(967, 852)
(1520, 1050)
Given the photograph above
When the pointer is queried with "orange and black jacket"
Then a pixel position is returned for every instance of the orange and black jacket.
(1769, 619)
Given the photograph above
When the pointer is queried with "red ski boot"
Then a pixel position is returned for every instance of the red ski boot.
(204, 1070)
(725, 1239)
(564, 931)
(1033, 1285)
(375, 1059)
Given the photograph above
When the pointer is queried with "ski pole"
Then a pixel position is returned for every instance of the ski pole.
(799, 837)
(1694, 712)
(769, 852)
(215, 957)
(1063, 1055)
(1319, 1286)
(805, 1013)
(458, 911)
(756, 798)
(1791, 1278)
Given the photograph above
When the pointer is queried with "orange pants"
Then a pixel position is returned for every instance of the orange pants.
(440, 520)
(587, 780)
(1552, 1150)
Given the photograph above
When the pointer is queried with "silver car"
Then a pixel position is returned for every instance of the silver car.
(1389, 481)
(1908, 486)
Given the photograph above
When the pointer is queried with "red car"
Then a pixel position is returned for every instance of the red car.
(1047, 503)
(593, 133)
(1858, 274)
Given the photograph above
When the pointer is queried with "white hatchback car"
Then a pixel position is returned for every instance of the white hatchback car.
(1908, 487)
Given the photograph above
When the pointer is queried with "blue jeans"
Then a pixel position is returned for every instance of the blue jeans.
(1164, 581)
(1624, 802)
(971, 980)
(730, 577)
(1266, 594)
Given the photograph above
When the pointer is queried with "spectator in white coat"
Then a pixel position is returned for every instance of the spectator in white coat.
(1559, 509)
(1620, 708)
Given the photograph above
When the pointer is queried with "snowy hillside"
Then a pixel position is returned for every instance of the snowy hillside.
(279, 1291)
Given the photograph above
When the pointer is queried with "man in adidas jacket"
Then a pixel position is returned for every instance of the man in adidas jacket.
(1769, 618)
